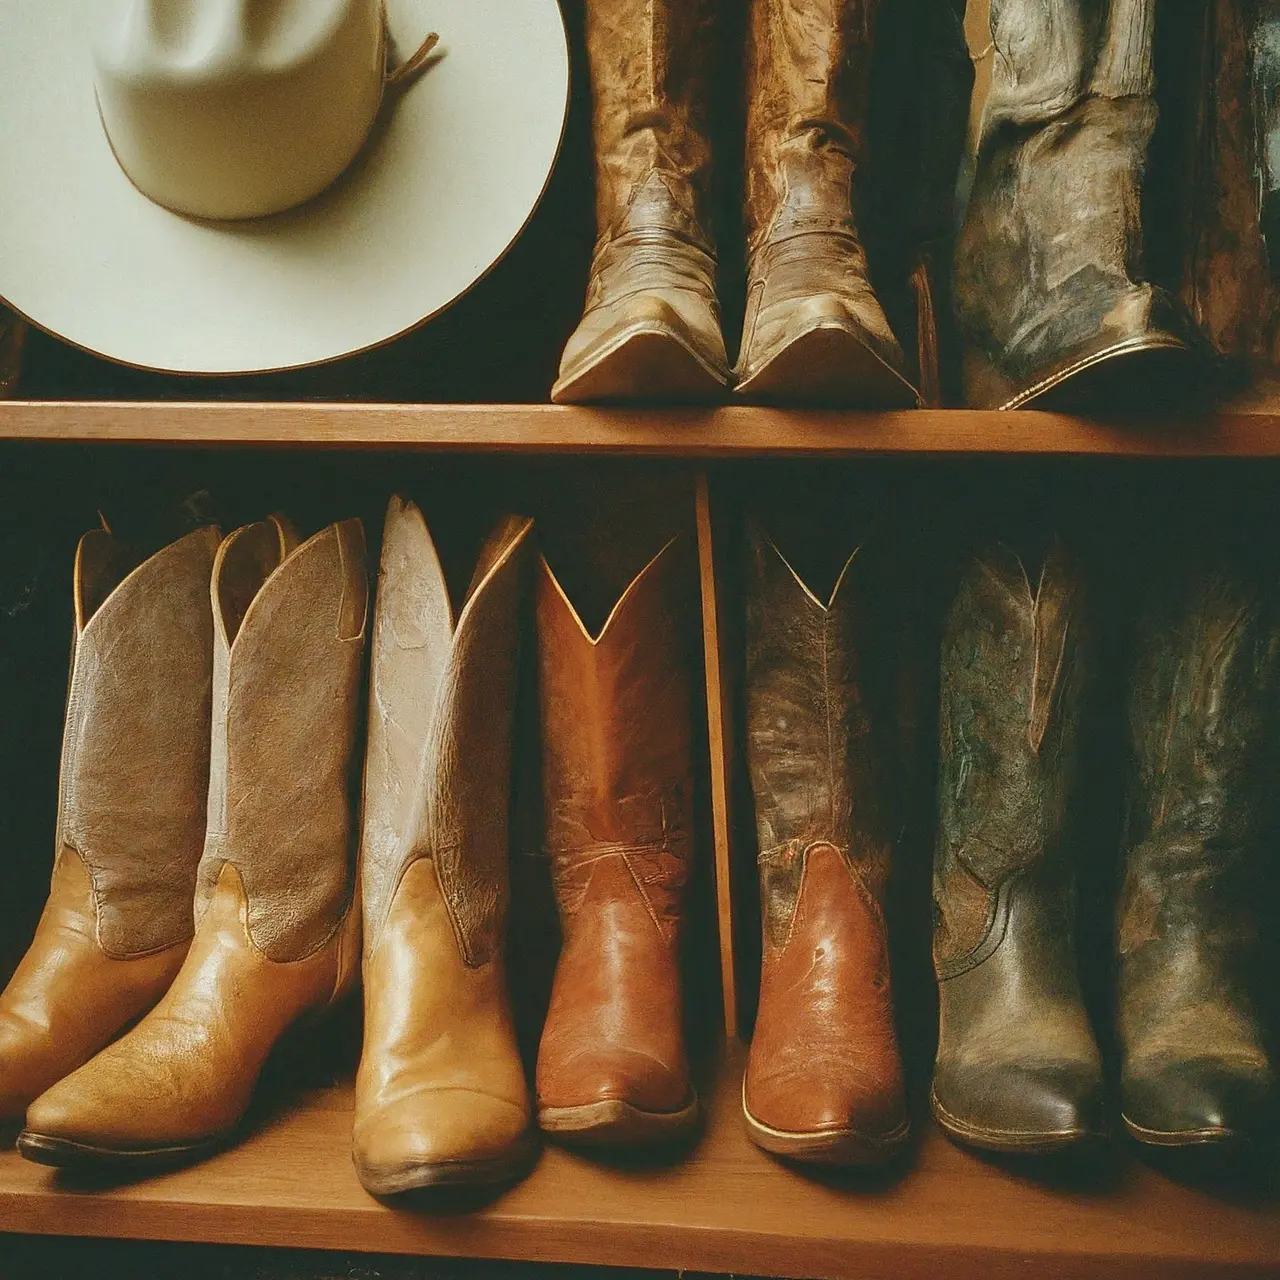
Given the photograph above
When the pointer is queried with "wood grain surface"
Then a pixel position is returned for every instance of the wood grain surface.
(733, 431)
(728, 1207)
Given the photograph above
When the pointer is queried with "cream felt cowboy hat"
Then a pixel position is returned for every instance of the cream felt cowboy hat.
(234, 186)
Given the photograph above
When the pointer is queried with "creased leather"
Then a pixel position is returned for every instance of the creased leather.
(654, 265)
(280, 787)
(1017, 1063)
(809, 72)
(439, 749)
(1050, 277)
(824, 1054)
(1201, 817)
(136, 746)
(617, 779)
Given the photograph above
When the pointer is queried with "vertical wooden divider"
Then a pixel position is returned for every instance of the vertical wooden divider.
(720, 740)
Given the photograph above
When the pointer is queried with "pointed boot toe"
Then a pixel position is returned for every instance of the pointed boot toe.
(443, 1138)
(1021, 1108)
(1205, 1101)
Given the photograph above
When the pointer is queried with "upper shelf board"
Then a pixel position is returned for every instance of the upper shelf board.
(728, 432)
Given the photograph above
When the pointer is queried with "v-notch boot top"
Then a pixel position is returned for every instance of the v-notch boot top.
(441, 1097)
(617, 774)
(135, 769)
(277, 931)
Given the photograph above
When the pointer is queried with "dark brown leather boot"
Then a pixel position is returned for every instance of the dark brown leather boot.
(13, 333)
(651, 326)
(617, 776)
(1203, 717)
(1017, 1067)
(814, 328)
(1050, 284)
(824, 1078)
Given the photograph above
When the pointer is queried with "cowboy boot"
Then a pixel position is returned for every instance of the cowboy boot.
(1050, 284)
(277, 931)
(617, 779)
(1201, 818)
(824, 1078)
(441, 1097)
(135, 769)
(814, 329)
(651, 326)
(13, 334)
(1017, 1067)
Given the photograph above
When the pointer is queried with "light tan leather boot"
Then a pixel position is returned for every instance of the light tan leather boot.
(617, 775)
(814, 329)
(135, 769)
(651, 326)
(277, 931)
(441, 1097)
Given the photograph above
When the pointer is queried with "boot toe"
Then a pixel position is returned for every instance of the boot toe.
(442, 1138)
(618, 1075)
(1192, 1102)
(1019, 1107)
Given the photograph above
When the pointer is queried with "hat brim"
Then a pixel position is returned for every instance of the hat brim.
(447, 181)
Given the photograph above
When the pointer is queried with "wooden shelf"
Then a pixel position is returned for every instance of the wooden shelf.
(730, 1208)
(727, 432)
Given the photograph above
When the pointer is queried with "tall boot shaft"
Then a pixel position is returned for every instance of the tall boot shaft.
(814, 329)
(617, 775)
(1017, 1065)
(824, 1079)
(1201, 819)
(441, 1094)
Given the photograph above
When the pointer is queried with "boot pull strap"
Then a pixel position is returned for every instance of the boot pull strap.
(402, 76)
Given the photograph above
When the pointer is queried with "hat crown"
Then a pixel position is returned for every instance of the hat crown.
(237, 108)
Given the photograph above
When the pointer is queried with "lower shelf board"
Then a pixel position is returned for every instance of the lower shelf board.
(726, 1208)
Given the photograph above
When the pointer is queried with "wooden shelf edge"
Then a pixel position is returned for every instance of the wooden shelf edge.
(735, 431)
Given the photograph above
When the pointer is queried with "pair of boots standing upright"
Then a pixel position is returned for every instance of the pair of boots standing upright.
(814, 328)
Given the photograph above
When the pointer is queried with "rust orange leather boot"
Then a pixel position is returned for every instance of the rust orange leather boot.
(135, 770)
(441, 1096)
(824, 1077)
(651, 326)
(617, 781)
(814, 329)
(277, 929)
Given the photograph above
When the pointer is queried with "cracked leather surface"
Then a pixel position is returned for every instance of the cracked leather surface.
(617, 780)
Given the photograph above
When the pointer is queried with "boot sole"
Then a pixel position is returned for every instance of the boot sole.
(62, 1153)
(494, 1172)
(846, 1147)
(613, 1122)
(828, 365)
(1025, 1143)
(1208, 1137)
(644, 364)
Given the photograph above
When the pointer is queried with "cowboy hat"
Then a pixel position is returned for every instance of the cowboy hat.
(235, 186)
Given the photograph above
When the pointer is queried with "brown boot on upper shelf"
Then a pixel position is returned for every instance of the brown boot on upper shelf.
(814, 329)
(618, 780)
(1051, 291)
(824, 1076)
(277, 924)
(651, 325)
(13, 335)
(135, 772)
(441, 1096)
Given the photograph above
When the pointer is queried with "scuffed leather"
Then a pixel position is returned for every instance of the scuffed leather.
(186, 1073)
(1017, 1064)
(809, 72)
(617, 775)
(440, 1080)
(67, 998)
(1050, 264)
(824, 1054)
(287, 694)
(277, 920)
(135, 762)
(1201, 817)
(654, 267)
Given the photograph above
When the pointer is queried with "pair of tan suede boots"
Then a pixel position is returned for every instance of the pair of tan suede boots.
(209, 757)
